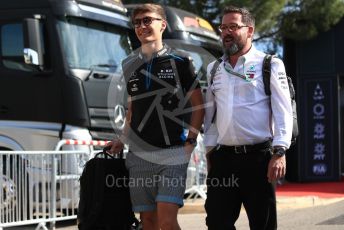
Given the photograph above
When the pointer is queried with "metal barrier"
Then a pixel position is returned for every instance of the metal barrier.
(38, 187)
(197, 172)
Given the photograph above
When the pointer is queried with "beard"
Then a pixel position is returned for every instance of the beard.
(231, 50)
(234, 48)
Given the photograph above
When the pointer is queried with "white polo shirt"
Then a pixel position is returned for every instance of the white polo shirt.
(244, 114)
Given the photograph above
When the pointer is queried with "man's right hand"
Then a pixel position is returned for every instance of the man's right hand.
(116, 146)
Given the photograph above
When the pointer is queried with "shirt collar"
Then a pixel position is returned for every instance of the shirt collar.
(244, 57)
(165, 48)
(250, 54)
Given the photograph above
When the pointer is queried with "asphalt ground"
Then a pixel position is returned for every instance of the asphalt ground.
(296, 202)
(294, 213)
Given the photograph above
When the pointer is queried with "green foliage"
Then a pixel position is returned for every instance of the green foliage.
(275, 19)
(308, 18)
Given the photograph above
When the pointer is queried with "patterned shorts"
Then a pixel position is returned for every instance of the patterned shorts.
(157, 176)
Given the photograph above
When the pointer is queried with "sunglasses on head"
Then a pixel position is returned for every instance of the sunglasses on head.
(146, 21)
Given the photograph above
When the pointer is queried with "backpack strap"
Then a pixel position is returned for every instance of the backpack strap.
(212, 75)
(267, 73)
(214, 116)
(213, 70)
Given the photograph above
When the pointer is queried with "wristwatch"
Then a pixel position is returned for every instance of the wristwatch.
(191, 141)
(279, 151)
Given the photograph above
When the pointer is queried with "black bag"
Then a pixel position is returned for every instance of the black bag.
(104, 195)
(266, 80)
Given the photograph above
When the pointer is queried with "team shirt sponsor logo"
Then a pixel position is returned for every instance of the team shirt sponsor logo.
(134, 88)
(166, 74)
(161, 52)
(133, 81)
(282, 77)
(162, 74)
(250, 72)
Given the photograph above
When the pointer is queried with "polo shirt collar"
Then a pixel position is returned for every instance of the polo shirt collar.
(244, 57)
(165, 48)
(250, 54)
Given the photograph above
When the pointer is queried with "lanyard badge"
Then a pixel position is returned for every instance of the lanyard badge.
(247, 77)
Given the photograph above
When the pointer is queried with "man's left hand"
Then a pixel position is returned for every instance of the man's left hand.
(277, 168)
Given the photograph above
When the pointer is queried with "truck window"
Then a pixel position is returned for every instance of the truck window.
(90, 44)
(12, 45)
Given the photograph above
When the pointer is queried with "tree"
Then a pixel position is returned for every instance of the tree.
(275, 19)
(306, 19)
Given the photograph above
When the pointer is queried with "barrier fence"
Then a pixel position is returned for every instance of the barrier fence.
(197, 173)
(40, 187)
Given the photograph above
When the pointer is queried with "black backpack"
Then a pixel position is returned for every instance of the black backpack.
(266, 79)
(104, 195)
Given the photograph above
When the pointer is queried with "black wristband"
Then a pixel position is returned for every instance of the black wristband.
(280, 151)
(191, 141)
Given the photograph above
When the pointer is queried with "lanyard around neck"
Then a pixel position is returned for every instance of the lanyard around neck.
(148, 77)
(235, 73)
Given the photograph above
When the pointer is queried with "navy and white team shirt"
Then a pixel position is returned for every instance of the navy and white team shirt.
(158, 89)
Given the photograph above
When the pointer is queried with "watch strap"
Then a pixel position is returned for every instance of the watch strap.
(279, 151)
(192, 141)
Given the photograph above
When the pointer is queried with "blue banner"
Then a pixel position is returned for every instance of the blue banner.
(319, 145)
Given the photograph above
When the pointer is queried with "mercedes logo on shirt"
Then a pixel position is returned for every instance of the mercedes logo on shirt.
(119, 115)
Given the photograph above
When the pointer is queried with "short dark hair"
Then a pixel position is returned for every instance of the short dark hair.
(148, 7)
(247, 17)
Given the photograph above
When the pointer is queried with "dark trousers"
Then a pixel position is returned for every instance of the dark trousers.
(236, 179)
